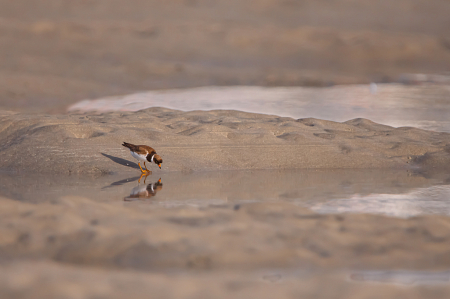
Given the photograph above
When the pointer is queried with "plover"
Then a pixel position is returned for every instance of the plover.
(144, 153)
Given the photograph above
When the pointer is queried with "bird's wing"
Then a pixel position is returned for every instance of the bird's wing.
(138, 149)
(147, 149)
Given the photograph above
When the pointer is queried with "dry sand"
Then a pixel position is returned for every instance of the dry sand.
(212, 140)
(30, 280)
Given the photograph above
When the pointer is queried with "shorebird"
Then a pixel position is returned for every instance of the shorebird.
(144, 153)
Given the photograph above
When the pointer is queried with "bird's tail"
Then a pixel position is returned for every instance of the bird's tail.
(130, 146)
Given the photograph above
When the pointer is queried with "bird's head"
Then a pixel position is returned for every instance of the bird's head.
(158, 160)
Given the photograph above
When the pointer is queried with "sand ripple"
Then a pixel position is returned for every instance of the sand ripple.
(212, 140)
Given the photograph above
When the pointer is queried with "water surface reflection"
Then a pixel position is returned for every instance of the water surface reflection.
(144, 191)
(390, 192)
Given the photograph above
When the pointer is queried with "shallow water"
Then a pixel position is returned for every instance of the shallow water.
(387, 192)
(425, 106)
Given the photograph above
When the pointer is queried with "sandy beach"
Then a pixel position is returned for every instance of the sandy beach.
(212, 140)
(305, 146)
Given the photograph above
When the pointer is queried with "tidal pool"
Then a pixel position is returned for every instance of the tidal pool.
(399, 193)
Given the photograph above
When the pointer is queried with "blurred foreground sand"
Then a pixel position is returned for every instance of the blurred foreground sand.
(74, 247)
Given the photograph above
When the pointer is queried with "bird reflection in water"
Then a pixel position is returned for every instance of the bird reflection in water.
(144, 191)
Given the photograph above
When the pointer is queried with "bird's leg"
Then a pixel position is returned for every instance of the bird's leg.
(143, 174)
(148, 171)
(144, 171)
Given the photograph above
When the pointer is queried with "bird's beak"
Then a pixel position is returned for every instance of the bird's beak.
(159, 165)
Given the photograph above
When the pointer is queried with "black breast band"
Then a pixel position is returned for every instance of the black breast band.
(150, 155)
